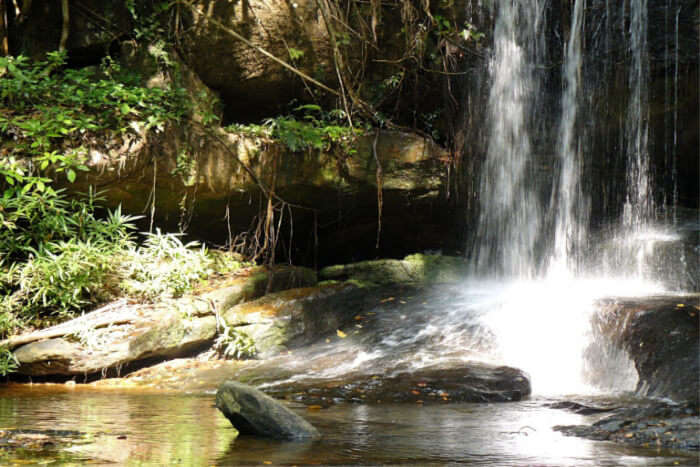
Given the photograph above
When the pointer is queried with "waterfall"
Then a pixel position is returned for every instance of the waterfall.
(509, 223)
(639, 204)
(568, 201)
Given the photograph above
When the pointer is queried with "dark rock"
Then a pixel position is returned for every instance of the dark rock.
(659, 426)
(252, 412)
(342, 190)
(474, 382)
(662, 337)
(580, 409)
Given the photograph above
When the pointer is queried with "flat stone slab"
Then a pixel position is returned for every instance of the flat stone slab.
(124, 334)
(252, 412)
(472, 382)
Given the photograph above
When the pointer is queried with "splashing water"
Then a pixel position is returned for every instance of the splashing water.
(542, 322)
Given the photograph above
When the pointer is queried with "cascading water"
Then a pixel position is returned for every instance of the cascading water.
(509, 223)
(568, 200)
(536, 272)
(543, 323)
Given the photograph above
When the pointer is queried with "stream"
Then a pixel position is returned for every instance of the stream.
(531, 325)
(141, 428)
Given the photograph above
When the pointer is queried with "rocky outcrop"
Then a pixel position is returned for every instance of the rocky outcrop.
(417, 269)
(662, 336)
(255, 85)
(471, 382)
(123, 335)
(658, 426)
(252, 412)
(297, 317)
(202, 181)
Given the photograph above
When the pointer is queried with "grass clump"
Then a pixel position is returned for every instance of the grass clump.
(164, 266)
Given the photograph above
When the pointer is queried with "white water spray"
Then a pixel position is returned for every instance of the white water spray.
(543, 325)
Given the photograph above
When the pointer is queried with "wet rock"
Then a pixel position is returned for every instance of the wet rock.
(662, 337)
(473, 382)
(659, 426)
(38, 440)
(252, 412)
(413, 269)
(578, 408)
(297, 317)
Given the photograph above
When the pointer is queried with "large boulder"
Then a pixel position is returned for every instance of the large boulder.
(661, 335)
(252, 412)
(255, 85)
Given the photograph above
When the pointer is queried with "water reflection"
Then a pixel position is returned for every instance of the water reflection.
(167, 429)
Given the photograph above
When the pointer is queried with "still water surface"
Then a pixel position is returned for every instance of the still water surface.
(141, 428)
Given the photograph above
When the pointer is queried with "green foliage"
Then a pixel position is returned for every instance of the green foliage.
(8, 362)
(234, 343)
(49, 107)
(69, 271)
(308, 128)
(295, 54)
(57, 256)
(164, 266)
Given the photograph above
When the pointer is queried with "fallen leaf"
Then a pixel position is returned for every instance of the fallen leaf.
(314, 407)
(629, 435)
(680, 305)
(341, 334)
(358, 318)
(390, 299)
(415, 393)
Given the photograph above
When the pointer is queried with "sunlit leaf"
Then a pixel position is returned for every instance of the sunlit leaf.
(341, 334)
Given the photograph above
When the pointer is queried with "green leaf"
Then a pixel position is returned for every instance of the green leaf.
(70, 175)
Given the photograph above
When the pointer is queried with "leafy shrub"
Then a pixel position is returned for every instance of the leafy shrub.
(234, 343)
(8, 362)
(56, 254)
(164, 266)
(313, 129)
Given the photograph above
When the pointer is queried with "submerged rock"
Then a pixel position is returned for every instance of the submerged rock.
(473, 382)
(659, 426)
(252, 412)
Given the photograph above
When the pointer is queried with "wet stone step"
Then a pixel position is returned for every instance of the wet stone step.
(475, 382)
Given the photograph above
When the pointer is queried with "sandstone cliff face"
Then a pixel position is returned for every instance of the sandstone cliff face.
(213, 182)
(252, 84)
